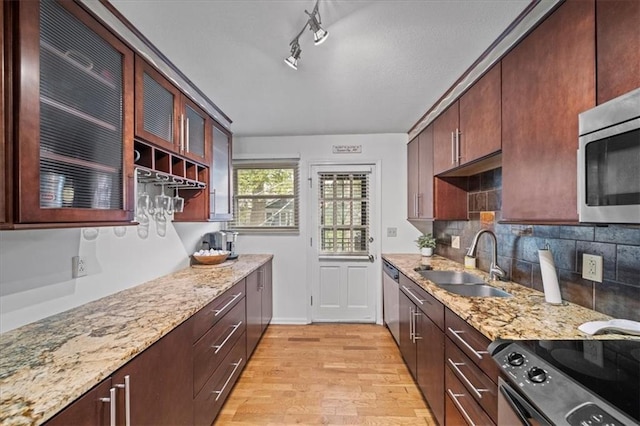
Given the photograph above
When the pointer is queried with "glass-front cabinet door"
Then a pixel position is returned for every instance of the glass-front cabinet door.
(75, 132)
(220, 177)
(196, 125)
(167, 118)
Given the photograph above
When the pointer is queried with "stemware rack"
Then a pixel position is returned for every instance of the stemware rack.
(144, 175)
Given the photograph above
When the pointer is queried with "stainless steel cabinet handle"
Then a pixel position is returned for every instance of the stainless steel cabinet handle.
(460, 374)
(415, 204)
(457, 146)
(454, 397)
(213, 196)
(127, 399)
(411, 323)
(181, 141)
(464, 342)
(221, 391)
(416, 314)
(226, 339)
(186, 133)
(408, 290)
(418, 196)
(219, 311)
(453, 161)
(112, 406)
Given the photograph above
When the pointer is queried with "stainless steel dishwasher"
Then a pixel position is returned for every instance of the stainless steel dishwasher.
(391, 294)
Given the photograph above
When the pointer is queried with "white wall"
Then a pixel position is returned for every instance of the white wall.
(290, 276)
(35, 266)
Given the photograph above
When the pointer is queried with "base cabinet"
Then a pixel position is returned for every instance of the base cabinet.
(91, 409)
(259, 305)
(185, 377)
(422, 342)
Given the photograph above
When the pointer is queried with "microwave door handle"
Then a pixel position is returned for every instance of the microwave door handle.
(523, 409)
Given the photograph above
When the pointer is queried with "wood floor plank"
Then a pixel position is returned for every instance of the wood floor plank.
(325, 374)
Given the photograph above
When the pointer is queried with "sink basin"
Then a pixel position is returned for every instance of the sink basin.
(474, 290)
(451, 277)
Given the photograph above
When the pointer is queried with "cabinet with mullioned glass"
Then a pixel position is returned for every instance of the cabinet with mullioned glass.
(169, 119)
(74, 131)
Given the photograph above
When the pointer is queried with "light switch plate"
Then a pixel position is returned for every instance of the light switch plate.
(592, 267)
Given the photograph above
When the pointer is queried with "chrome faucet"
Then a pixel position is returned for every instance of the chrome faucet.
(495, 271)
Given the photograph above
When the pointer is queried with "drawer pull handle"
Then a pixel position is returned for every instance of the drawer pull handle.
(408, 290)
(235, 367)
(454, 397)
(112, 406)
(464, 342)
(127, 398)
(224, 342)
(233, 299)
(460, 374)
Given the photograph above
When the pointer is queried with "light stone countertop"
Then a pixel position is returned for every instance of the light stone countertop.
(525, 316)
(47, 364)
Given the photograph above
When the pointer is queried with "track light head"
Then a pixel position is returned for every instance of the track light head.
(319, 36)
(319, 33)
(296, 51)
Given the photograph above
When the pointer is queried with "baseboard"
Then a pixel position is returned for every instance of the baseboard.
(289, 321)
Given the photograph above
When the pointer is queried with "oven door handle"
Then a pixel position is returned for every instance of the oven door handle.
(523, 409)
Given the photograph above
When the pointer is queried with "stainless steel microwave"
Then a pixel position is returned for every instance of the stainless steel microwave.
(609, 161)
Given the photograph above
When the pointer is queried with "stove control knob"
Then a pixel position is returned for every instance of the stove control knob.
(515, 359)
(537, 375)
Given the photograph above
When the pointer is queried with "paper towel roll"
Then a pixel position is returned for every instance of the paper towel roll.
(549, 277)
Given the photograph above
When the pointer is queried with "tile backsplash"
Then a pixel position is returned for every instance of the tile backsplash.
(619, 245)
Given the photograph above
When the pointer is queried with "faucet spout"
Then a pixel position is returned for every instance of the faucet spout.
(495, 271)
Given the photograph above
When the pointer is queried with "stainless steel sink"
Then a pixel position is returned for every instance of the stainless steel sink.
(474, 290)
(451, 277)
(463, 283)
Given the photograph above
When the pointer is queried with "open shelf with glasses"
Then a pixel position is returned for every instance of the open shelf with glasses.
(163, 168)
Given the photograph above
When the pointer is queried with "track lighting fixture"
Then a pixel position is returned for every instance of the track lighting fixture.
(319, 36)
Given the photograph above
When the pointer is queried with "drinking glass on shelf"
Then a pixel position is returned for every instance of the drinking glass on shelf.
(164, 202)
(178, 203)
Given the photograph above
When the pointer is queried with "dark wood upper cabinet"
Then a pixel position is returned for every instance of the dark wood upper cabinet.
(446, 130)
(618, 47)
(167, 118)
(74, 117)
(420, 176)
(480, 118)
(4, 192)
(547, 80)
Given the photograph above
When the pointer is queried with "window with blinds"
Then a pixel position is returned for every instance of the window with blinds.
(81, 114)
(266, 196)
(344, 213)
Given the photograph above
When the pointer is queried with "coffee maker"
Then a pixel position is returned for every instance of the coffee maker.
(221, 240)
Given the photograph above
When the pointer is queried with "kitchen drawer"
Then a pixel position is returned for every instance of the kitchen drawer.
(426, 302)
(472, 343)
(461, 408)
(206, 317)
(210, 399)
(216, 344)
(478, 385)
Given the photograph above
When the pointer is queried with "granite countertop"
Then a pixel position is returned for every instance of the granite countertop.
(524, 316)
(47, 364)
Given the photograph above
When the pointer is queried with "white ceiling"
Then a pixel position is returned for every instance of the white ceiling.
(385, 63)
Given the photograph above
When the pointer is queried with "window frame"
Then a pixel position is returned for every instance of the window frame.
(282, 164)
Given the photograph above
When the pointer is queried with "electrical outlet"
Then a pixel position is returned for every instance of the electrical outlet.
(592, 267)
(392, 232)
(78, 266)
(455, 241)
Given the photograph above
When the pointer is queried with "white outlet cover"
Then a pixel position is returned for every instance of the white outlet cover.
(455, 241)
(592, 267)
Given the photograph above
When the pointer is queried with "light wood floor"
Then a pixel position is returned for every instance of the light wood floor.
(326, 374)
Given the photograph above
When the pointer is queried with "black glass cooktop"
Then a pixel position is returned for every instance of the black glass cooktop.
(608, 368)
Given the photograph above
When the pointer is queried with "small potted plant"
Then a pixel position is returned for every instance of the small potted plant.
(426, 243)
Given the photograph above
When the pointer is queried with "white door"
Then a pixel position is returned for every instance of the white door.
(344, 278)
